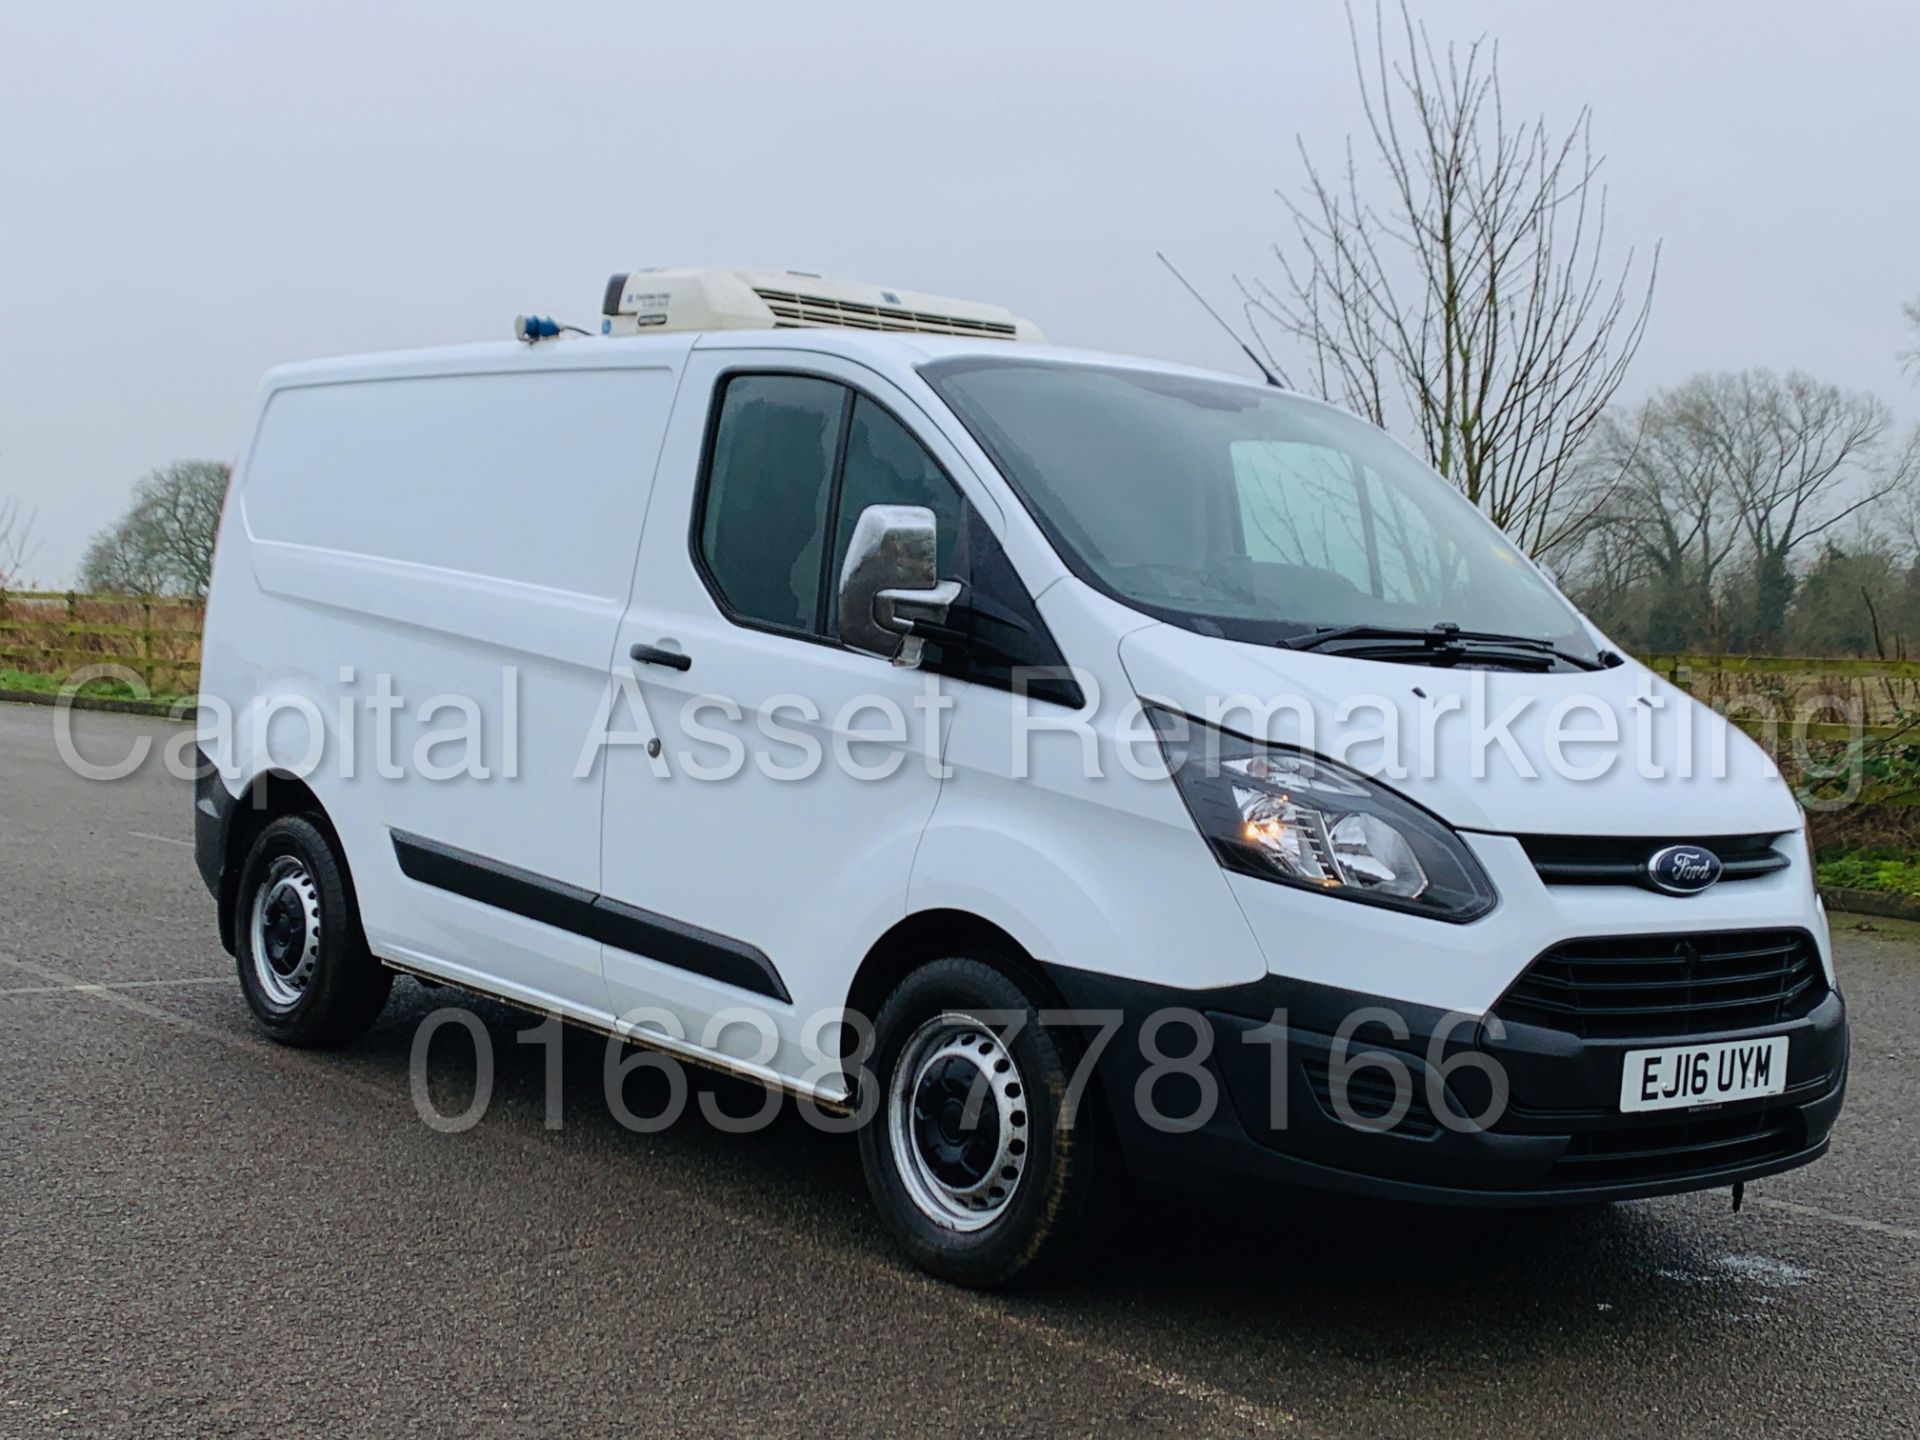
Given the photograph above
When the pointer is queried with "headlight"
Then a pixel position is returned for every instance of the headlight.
(1285, 815)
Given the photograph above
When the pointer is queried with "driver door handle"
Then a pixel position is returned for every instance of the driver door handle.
(654, 655)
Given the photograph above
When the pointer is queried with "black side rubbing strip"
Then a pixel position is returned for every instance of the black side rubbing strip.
(685, 947)
(505, 887)
(569, 907)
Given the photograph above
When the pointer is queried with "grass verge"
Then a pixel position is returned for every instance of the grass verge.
(1888, 873)
(37, 684)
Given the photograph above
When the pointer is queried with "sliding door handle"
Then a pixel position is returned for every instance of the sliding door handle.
(654, 655)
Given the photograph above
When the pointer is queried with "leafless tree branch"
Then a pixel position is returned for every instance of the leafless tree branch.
(17, 543)
(1746, 470)
(164, 543)
(1470, 300)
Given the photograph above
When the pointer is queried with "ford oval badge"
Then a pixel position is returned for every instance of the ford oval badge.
(1683, 869)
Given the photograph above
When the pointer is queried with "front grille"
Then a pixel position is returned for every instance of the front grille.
(1659, 986)
(1675, 1150)
(1616, 860)
(1371, 1096)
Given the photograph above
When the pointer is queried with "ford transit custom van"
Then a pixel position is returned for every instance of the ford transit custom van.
(1054, 765)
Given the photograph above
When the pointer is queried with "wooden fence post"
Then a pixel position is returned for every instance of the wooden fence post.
(146, 642)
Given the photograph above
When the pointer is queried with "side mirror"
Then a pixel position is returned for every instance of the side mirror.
(890, 580)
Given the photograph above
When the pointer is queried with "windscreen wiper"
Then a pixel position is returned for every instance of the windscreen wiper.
(1442, 644)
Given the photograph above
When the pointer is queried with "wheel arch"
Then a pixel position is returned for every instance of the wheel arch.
(929, 935)
(269, 796)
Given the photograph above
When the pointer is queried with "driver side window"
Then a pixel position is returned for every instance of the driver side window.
(793, 461)
(770, 473)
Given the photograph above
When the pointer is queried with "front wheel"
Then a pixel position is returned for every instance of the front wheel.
(977, 1161)
(303, 961)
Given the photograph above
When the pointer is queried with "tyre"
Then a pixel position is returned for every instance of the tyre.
(303, 960)
(974, 1159)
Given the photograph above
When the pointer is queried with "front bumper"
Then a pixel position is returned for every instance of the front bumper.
(1255, 1102)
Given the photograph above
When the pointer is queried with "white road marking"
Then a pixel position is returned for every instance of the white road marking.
(163, 839)
(1834, 1217)
(1759, 1270)
(101, 986)
(1241, 1410)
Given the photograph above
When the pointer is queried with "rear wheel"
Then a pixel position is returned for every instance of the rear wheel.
(974, 1157)
(303, 961)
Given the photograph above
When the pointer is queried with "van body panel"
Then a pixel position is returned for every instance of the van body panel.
(1107, 874)
(462, 471)
(451, 653)
(812, 870)
(1321, 940)
(1700, 766)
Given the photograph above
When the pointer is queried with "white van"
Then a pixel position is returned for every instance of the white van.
(1061, 764)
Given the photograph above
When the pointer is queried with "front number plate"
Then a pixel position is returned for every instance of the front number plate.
(1680, 1076)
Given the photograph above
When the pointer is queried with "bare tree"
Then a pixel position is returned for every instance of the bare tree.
(17, 545)
(164, 543)
(1800, 457)
(1735, 476)
(1468, 295)
(1902, 517)
(117, 561)
(1910, 357)
(1669, 522)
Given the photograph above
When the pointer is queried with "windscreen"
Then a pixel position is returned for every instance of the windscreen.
(1243, 511)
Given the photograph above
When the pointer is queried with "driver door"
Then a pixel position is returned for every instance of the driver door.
(760, 824)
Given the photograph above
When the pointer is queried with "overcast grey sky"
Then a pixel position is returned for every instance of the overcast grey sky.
(192, 192)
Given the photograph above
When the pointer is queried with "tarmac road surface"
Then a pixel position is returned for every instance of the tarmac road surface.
(204, 1233)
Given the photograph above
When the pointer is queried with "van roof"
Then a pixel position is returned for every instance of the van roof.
(882, 351)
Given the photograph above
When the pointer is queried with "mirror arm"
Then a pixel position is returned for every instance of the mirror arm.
(906, 612)
(901, 610)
